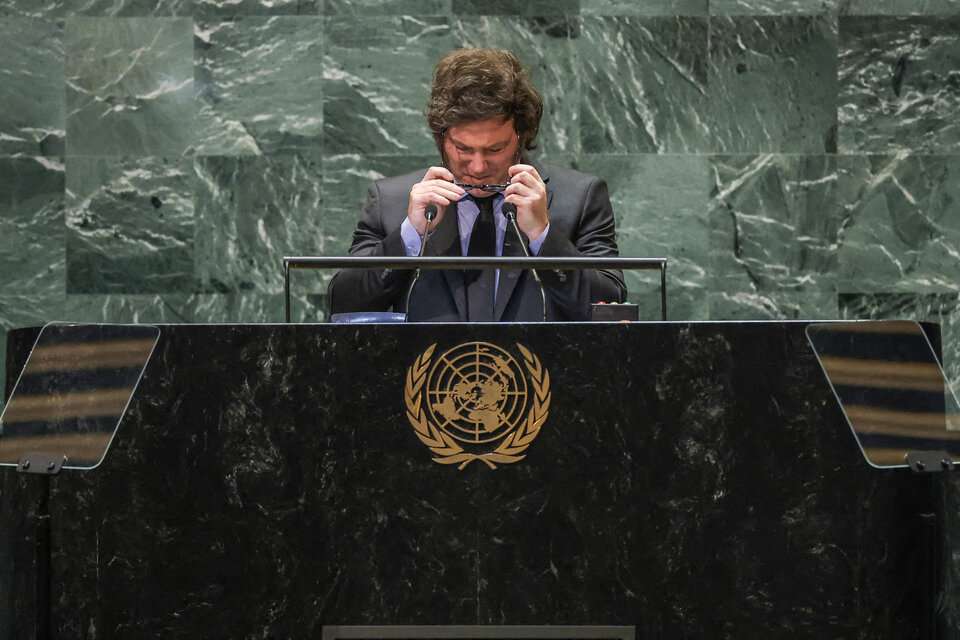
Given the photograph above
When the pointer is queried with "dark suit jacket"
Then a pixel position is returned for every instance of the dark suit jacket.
(581, 224)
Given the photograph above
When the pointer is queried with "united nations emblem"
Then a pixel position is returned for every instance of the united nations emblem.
(476, 402)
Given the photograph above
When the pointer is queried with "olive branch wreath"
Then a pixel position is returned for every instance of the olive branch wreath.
(446, 448)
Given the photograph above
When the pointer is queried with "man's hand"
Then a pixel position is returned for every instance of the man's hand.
(436, 188)
(529, 193)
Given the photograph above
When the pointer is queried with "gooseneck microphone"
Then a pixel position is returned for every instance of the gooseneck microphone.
(510, 211)
(430, 213)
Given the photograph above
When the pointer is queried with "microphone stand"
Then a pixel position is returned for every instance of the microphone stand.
(510, 211)
(430, 214)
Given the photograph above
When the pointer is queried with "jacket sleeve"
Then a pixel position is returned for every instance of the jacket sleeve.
(354, 290)
(570, 293)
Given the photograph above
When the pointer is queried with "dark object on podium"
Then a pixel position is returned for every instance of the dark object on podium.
(614, 312)
(683, 479)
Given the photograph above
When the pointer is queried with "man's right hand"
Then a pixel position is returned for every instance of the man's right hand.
(436, 188)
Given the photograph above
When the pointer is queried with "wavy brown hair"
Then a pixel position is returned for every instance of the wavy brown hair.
(479, 84)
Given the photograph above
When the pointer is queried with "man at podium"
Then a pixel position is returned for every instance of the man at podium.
(484, 114)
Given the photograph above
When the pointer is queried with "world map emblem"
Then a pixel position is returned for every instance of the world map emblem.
(477, 401)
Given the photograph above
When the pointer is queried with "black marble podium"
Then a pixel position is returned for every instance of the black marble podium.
(693, 480)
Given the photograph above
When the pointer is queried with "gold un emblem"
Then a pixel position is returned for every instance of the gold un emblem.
(476, 402)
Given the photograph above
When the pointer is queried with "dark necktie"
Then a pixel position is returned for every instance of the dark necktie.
(480, 283)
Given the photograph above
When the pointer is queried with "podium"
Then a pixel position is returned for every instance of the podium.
(672, 479)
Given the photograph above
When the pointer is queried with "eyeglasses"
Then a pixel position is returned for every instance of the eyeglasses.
(489, 188)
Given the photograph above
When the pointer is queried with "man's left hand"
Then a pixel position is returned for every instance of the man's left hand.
(529, 193)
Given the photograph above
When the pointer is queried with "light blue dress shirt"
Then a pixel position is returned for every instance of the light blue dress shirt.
(467, 212)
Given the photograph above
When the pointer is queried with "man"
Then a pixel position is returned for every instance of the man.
(484, 114)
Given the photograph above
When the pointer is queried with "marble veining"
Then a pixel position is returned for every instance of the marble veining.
(376, 83)
(773, 7)
(259, 85)
(644, 85)
(651, 8)
(32, 117)
(774, 236)
(901, 229)
(898, 8)
(658, 214)
(130, 225)
(251, 212)
(387, 7)
(773, 84)
(129, 86)
(899, 84)
(31, 222)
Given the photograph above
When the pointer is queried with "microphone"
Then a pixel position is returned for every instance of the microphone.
(510, 211)
(430, 213)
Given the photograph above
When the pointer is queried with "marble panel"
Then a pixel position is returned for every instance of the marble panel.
(772, 7)
(129, 85)
(726, 302)
(387, 7)
(943, 308)
(773, 84)
(644, 85)
(516, 7)
(232, 8)
(32, 8)
(161, 8)
(660, 203)
(899, 7)
(377, 78)
(175, 308)
(647, 8)
(252, 211)
(545, 46)
(32, 227)
(901, 225)
(346, 179)
(774, 224)
(31, 64)
(130, 225)
(259, 83)
(899, 84)
(129, 8)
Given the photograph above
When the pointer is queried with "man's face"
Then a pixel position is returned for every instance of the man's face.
(481, 152)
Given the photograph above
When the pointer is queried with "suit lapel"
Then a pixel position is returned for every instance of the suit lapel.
(445, 241)
(508, 277)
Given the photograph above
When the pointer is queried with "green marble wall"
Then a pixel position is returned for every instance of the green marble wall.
(792, 158)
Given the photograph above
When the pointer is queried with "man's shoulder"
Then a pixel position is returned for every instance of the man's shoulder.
(559, 176)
